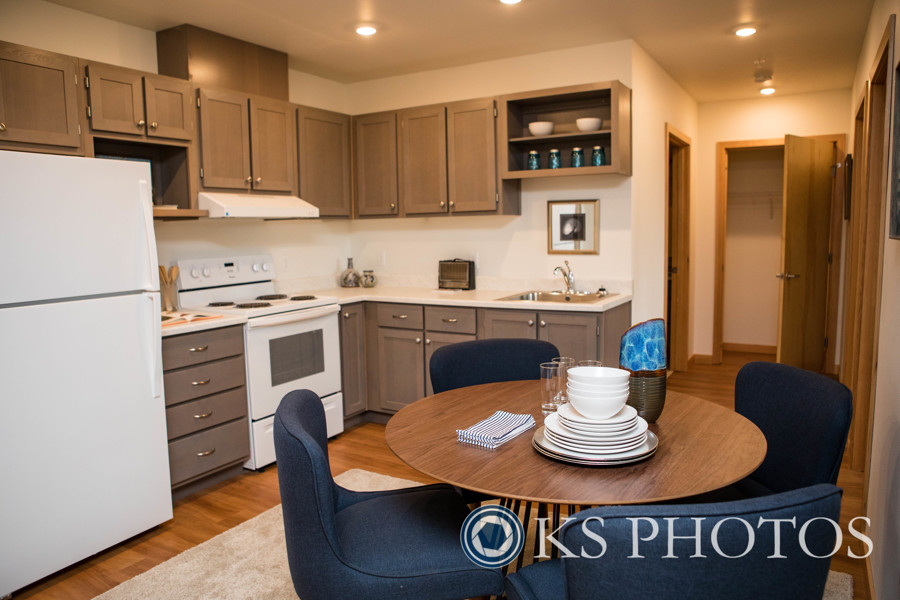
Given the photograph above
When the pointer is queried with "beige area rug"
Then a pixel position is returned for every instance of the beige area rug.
(249, 561)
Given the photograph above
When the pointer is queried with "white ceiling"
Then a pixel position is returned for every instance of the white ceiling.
(811, 45)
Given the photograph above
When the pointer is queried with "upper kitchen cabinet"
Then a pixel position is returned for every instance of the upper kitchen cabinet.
(375, 164)
(422, 160)
(609, 101)
(129, 102)
(39, 101)
(323, 138)
(246, 142)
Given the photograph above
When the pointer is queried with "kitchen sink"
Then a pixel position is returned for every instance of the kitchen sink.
(538, 296)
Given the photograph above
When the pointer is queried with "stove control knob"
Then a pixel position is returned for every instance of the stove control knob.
(195, 272)
(206, 271)
(265, 266)
(255, 267)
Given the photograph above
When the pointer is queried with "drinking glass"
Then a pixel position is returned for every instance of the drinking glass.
(589, 363)
(550, 387)
(565, 363)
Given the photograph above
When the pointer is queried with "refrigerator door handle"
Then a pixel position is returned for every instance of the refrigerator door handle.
(149, 235)
(155, 362)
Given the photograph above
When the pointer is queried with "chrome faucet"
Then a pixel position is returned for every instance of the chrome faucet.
(567, 275)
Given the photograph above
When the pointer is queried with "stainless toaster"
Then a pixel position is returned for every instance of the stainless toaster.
(456, 274)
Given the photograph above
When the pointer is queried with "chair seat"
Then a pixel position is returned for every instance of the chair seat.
(543, 580)
(417, 530)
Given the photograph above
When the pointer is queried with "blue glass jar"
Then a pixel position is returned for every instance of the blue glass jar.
(534, 160)
(553, 161)
(598, 157)
(577, 157)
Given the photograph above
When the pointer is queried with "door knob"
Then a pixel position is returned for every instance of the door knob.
(153, 124)
(141, 123)
(2, 126)
(249, 179)
(531, 322)
(259, 180)
(787, 276)
(543, 323)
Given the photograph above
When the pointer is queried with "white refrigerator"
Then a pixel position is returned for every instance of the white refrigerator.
(83, 448)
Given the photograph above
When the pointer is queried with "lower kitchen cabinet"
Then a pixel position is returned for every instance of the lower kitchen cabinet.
(396, 374)
(353, 358)
(206, 407)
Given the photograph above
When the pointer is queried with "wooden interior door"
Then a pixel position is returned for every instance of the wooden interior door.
(803, 292)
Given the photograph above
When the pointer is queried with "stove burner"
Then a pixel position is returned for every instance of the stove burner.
(303, 297)
(220, 303)
(272, 297)
(252, 305)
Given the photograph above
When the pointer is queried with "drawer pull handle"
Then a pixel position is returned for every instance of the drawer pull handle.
(400, 316)
(450, 320)
(346, 315)
(203, 382)
(204, 415)
(207, 453)
(2, 126)
(199, 349)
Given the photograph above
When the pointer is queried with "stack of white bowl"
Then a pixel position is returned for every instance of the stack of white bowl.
(597, 392)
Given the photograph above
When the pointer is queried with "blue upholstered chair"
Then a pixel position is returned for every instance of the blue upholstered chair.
(723, 531)
(344, 544)
(488, 361)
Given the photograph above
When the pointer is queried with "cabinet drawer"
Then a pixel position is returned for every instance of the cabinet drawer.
(208, 450)
(404, 316)
(194, 348)
(203, 380)
(450, 319)
(203, 413)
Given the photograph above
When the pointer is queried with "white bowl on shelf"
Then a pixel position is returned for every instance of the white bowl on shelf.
(588, 123)
(540, 127)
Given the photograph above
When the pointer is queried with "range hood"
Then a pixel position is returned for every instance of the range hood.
(255, 206)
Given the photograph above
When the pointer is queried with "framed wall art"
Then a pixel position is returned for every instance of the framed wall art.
(573, 227)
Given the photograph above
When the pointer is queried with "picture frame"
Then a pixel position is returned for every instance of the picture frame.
(573, 227)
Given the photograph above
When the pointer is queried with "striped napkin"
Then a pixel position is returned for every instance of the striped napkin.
(496, 430)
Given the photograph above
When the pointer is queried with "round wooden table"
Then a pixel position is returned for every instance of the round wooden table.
(702, 447)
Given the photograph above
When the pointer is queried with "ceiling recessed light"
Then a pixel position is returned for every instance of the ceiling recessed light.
(366, 30)
(510, 1)
(767, 91)
(745, 31)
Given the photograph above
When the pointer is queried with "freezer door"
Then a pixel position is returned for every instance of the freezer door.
(82, 432)
(73, 227)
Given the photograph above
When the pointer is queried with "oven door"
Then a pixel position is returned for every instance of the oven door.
(292, 351)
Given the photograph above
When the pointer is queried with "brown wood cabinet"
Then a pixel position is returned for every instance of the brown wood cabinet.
(375, 164)
(139, 104)
(246, 142)
(422, 160)
(396, 358)
(353, 358)
(445, 325)
(206, 407)
(323, 139)
(582, 336)
(39, 101)
(610, 101)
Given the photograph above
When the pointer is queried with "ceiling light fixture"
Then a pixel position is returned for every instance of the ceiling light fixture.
(510, 1)
(767, 91)
(366, 30)
(745, 31)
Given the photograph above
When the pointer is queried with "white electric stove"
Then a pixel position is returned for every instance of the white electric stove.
(291, 341)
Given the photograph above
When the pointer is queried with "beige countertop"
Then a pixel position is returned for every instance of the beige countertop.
(475, 298)
(185, 321)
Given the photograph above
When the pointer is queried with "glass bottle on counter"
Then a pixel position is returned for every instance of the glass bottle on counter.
(350, 276)
(368, 279)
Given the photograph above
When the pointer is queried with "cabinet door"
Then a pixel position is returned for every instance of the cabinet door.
(573, 334)
(401, 368)
(471, 156)
(433, 341)
(375, 156)
(38, 100)
(272, 145)
(169, 107)
(353, 359)
(498, 323)
(116, 100)
(224, 140)
(324, 158)
(423, 160)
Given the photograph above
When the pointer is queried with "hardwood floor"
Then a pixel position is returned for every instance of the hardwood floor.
(206, 514)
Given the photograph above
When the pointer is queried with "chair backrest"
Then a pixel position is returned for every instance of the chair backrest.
(308, 493)
(488, 361)
(735, 558)
(805, 418)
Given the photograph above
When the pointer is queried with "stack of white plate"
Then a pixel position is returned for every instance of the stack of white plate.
(569, 436)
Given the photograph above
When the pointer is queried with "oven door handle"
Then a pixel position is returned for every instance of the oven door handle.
(296, 316)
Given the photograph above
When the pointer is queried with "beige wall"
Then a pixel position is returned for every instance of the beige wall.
(765, 118)
(884, 468)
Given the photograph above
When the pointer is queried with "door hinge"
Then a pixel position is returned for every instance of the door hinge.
(598, 331)
(198, 101)
(830, 258)
(89, 112)
(79, 129)
(826, 341)
(87, 81)
(201, 172)
(834, 170)
(76, 80)
(497, 198)
(495, 112)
